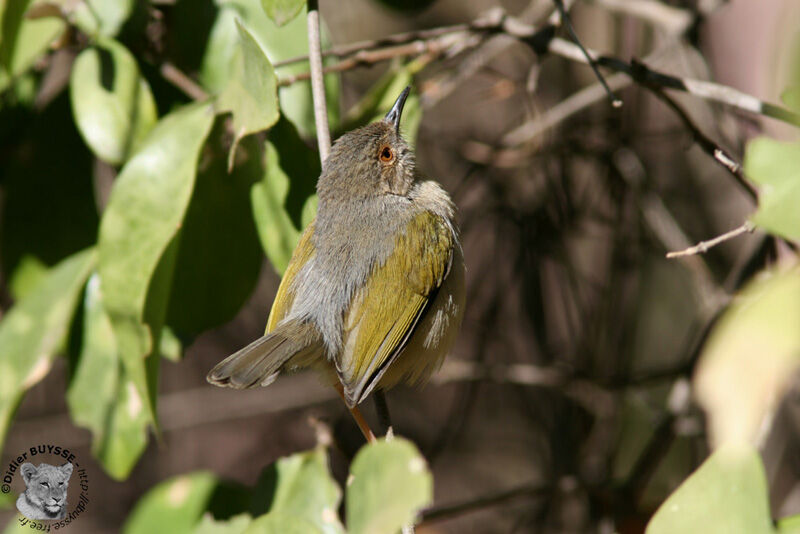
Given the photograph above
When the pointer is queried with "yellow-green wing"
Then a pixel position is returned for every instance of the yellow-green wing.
(384, 313)
(285, 296)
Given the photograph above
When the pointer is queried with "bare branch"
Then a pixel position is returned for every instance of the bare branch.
(182, 81)
(318, 82)
(703, 246)
(673, 20)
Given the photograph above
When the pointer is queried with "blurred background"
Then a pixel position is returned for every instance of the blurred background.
(565, 405)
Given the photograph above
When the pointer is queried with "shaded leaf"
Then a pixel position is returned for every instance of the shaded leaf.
(390, 482)
(173, 506)
(35, 329)
(112, 103)
(280, 523)
(728, 493)
(282, 11)
(750, 357)
(279, 43)
(137, 244)
(300, 485)
(170, 347)
(26, 276)
(251, 94)
(219, 257)
(284, 201)
(775, 167)
(235, 525)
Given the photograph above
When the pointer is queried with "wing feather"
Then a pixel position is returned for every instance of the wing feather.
(385, 312)
(284, 298)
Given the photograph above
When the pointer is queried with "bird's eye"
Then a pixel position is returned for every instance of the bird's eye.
(387, 154)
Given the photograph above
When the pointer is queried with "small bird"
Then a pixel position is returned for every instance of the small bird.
(374, 292)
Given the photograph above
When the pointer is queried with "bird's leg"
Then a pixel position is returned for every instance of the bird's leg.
(363, 426)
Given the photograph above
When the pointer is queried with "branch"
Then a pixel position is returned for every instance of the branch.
(317, 82)
(703, 246)
(182, 81)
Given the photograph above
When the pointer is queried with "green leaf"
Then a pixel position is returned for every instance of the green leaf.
(235, 525)
(22, 40)
(282, 11)
(789, 525)
(279, 43)
(173, 506)
(728, 493)
(101, 397)
(219, 256)
(170, 347)
(284, 201)
(112, 103)
(390, 482)
(279, 523)
(35, 329)
(137, 243)
(300, 485)
(775, 167)
(251, 94)
(26, 276)
(750, 357)
(101, 17)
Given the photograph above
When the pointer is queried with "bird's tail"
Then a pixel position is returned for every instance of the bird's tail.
(260, 362)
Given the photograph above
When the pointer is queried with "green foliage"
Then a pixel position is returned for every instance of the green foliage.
(251, 94)
(284, 201)
(389, 483)
(759, 331)
(728, 493)
(22, 40)
(113, 106)
(775, 167)
(36, 328)
(282, 11)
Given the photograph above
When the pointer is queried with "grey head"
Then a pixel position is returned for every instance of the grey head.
(369, 162)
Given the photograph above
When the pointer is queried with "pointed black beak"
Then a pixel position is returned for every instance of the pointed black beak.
(393, 117)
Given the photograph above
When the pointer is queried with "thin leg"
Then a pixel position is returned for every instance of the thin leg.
(359, 419)
(382, 408)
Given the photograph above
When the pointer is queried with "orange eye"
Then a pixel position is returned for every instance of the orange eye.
(387, 154)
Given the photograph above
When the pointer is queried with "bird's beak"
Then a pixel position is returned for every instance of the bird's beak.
(393, 117)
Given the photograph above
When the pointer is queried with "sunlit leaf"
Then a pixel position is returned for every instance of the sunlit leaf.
(173, 506)
(279, 43)
(35, 329)
(100, 395)
(251, 94)
(22, 40)
(300, 485)
(282, 11)
(280, 523)
(789, 525)
(728, 493)
(750, 357)
(219, 256)
(112, 103)
(26, 276)
(284, 201)
(390, 482)
(101, 17)
(137, 244)
(775, 167)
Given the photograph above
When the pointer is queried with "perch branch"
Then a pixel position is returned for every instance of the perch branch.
(317, 82)
(703, 246)
(182, 81)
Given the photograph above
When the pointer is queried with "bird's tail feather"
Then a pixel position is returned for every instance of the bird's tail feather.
(260, 362)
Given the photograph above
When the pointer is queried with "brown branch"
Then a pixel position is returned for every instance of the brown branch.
(182, 81)
(703, 246)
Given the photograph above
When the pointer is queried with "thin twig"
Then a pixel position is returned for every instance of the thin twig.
(318, 82)
(703, 246)
(182, 81)
(449, 510)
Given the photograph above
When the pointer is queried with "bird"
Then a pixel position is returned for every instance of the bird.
(373, 295)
